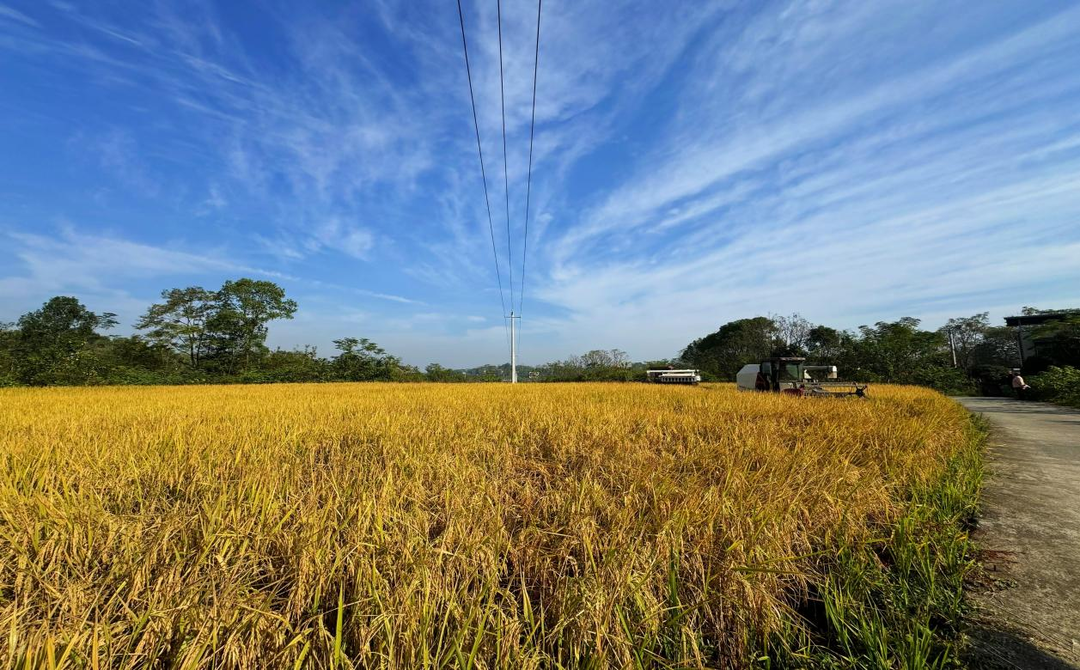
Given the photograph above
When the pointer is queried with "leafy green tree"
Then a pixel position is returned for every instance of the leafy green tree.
(50, 342)
(129, 360)
(297, 365)
(661, 364)
(998, 347)
(8, 338)
(944, 378)
(181, 320)
(896, 351)
(595, 365)
(793, 333)
(138, 353)
(735, 344)
(826, 345)
(606, 365)
(437, 373)
(967, 334)
(400, 372)
(363, 360)
(238, 323)
(992, 358)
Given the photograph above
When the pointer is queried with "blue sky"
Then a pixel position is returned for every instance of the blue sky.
(696, 162)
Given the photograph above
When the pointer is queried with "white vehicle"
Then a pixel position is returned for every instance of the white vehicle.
(673, 376)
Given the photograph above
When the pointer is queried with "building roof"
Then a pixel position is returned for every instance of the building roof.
(1036, 319)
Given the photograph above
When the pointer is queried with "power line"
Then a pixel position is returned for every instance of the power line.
(506, 173)
(483, 172)
(506, 176)
(528, 191)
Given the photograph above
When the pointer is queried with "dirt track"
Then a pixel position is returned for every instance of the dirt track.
(1028, 595)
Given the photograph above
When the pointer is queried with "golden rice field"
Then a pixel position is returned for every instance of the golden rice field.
(427, 525)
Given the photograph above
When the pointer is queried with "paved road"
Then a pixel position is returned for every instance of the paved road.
(1029, 594)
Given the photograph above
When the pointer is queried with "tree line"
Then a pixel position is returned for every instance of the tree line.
(196, 335)
(193, 335)
(967, 355)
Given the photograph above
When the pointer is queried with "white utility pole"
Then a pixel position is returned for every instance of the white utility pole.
(513, 349)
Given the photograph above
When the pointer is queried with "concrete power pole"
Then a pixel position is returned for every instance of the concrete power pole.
(513, 348)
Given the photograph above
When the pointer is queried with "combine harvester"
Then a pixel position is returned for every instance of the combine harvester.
(792, 376)
(673, 376)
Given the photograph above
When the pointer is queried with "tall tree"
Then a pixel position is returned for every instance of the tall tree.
(298, 365)
(735, 344)
(967, 333)
(600, 358)
(437, 373)
(794, 331)
(826, 345)
(998, 348)
(363, 360)
(242, 310)
(49, 340)
(8, 339)
(181, 321)
(896, 351)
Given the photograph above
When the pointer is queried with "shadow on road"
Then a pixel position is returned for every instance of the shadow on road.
(994, 648)
(1013, 406)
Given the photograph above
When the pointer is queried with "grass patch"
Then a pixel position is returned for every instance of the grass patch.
(898, 602)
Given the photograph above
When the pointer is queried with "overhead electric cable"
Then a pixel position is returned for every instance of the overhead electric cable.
(528, 191)
(506, 176)
(483, 172)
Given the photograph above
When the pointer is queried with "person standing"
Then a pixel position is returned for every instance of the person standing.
(1019, 387)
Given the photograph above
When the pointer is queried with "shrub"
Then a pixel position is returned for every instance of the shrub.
(1059, 385)
(951, 381)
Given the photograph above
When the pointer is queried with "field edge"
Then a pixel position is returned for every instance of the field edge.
(899, 602)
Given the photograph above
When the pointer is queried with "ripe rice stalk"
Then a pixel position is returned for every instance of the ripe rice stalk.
(424, 526)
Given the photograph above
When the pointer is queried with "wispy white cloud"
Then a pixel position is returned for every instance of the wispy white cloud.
(11, 14)
(706, 157)
(331, 235)
(878, 196)
(72, 260)
(107, 272)
(849, 160)
(366, 293)
(117, 152)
